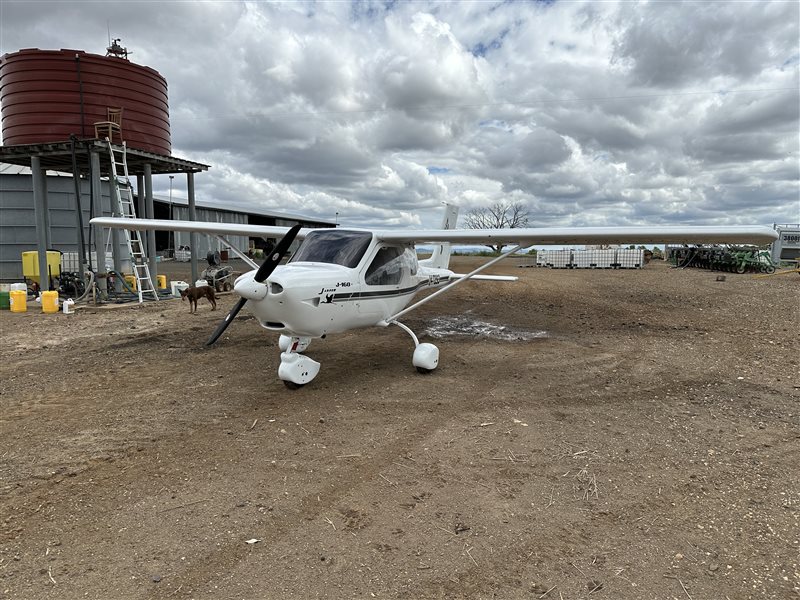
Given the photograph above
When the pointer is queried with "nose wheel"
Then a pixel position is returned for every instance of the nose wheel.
(296, 369)
(287, 342)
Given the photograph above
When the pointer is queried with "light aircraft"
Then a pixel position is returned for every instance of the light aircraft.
(341, 279)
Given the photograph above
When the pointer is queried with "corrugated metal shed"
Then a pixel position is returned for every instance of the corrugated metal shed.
(18, 224)
(250, 209)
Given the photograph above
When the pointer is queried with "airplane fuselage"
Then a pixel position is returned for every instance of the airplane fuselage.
(309, 297)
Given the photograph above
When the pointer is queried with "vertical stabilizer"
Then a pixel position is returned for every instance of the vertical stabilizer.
(440, 258)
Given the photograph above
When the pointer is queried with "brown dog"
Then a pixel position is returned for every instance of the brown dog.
(195, 293)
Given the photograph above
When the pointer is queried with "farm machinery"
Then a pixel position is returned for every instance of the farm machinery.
(734, 259)
(219, 276)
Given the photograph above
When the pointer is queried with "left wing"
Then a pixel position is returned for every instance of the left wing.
(587, 235)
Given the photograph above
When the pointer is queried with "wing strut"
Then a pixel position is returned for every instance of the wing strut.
(237, 252)
(392, 320)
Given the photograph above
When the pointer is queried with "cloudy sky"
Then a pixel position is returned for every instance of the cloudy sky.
(589, 113)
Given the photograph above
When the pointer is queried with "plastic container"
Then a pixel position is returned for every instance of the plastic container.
(200, 283)
(50, 302)
(5, 301)
(67, 306)
(18, 301)
(131, 281)
(30, 264)
(177, 286)
(161, 282)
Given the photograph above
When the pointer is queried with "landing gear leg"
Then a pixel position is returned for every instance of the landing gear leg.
(285, 342)
(296, 369)
(426, 356)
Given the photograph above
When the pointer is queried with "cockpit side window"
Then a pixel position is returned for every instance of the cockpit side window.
(333, 246)
(390, 265)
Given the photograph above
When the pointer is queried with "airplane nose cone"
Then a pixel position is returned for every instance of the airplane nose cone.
(247, 287)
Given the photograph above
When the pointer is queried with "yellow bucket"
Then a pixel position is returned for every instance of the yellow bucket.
(161, 282)
(18, 300)
(131, 281)
(50, 302)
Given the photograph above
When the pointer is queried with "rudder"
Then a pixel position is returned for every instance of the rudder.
(440, 259)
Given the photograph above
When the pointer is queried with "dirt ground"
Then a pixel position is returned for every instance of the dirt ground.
(645, 446)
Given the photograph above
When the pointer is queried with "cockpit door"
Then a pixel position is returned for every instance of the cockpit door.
(388, 279)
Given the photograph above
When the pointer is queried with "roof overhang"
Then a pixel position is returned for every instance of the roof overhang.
(57, 156)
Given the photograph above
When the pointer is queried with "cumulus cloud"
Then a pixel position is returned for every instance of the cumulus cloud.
(374, 113)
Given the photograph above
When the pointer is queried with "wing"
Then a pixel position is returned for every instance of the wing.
(523, 236)
(197, 226)
(587, 235)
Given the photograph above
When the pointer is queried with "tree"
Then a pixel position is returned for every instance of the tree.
(501, 215)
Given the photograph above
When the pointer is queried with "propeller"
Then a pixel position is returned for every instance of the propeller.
(264, 271)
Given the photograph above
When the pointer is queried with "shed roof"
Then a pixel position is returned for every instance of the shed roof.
(57, 156)
(245, 208)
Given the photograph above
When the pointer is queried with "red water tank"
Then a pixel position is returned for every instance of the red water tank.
(47, 95)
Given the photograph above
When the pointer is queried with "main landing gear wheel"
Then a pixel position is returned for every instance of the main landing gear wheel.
(426, 356)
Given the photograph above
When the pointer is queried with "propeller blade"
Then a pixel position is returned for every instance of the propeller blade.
(264, 271)
(268, 266)
(227, 321)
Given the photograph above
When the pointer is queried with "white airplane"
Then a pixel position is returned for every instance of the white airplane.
(342, 279)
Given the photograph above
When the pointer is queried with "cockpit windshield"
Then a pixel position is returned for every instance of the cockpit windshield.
(333, 246)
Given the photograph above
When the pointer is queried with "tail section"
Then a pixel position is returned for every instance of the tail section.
(440, 259)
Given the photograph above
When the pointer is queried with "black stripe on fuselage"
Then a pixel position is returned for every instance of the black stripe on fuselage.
(384, 293)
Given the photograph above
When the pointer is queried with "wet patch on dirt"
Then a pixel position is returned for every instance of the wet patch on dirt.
(466, 325)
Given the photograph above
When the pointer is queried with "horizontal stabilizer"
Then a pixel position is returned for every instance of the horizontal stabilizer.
(486, 277)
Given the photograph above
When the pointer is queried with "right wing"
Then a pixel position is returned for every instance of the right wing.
(197, 226)
(750, 234)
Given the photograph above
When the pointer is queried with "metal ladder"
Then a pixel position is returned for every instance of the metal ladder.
(121, 188)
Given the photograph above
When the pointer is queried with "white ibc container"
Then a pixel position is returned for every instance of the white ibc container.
(560, 259)
(584, 259)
